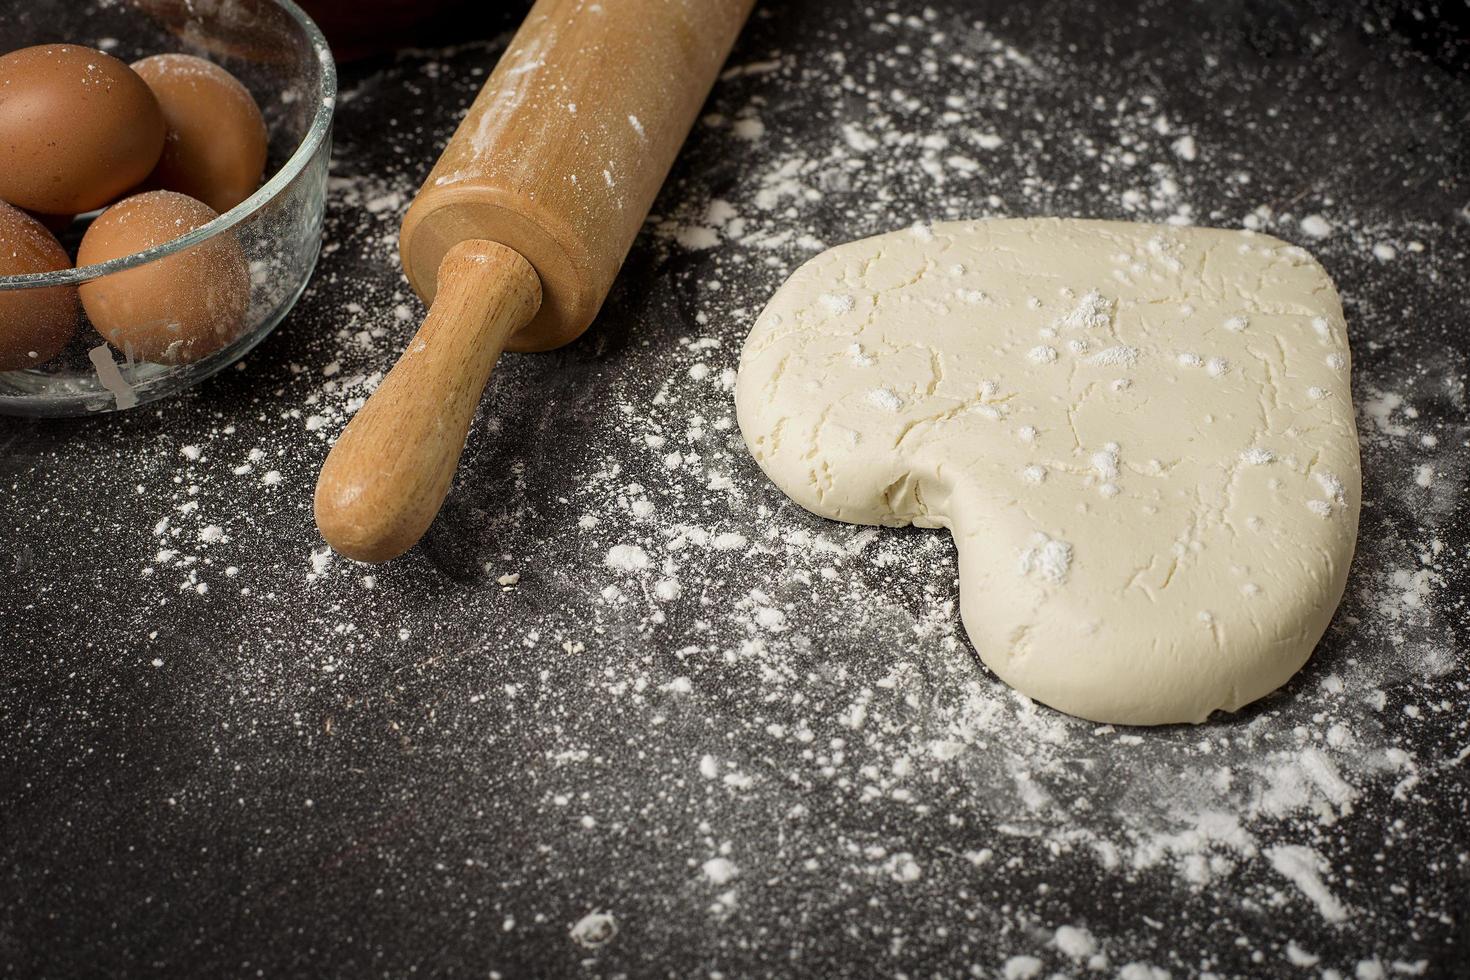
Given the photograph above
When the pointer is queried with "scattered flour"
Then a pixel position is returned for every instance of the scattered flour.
(838, 719)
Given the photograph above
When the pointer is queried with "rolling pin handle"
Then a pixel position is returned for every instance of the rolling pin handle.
(391, 468)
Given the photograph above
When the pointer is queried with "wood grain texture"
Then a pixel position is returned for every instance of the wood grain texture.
(391, 468)
(561, 155)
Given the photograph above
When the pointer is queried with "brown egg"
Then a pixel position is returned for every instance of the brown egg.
(173, 310)
(35, 324)
(77, 128)
(216, 143)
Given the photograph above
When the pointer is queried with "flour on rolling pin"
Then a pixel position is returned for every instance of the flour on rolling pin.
(529, 238)
(529, 88)
(564, 151)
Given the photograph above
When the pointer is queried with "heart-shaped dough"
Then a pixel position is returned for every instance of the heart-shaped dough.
(1141, 437)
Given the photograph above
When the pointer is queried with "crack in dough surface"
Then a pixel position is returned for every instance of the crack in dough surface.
(1141, 438)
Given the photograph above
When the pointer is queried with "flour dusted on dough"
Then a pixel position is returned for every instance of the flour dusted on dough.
(1141, 438)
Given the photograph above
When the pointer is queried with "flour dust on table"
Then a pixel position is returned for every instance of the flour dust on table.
(760, 743)
(1142, 439)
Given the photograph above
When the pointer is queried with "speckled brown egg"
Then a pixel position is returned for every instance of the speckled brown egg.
(173, 310)
(77, 128)
(35, 324)
(216, 144)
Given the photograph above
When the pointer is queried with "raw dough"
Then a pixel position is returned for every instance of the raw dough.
(1141, 437)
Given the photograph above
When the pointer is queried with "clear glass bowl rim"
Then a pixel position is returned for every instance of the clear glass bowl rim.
(321, 125)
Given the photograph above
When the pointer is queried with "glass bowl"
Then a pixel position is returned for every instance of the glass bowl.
(283, 59)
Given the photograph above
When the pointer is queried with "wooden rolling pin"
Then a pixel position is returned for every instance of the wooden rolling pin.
(515, 238)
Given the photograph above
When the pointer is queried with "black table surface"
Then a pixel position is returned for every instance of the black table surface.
(224, 751)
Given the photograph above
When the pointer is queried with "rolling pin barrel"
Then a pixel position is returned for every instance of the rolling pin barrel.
(566, 147)
(517, 234)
